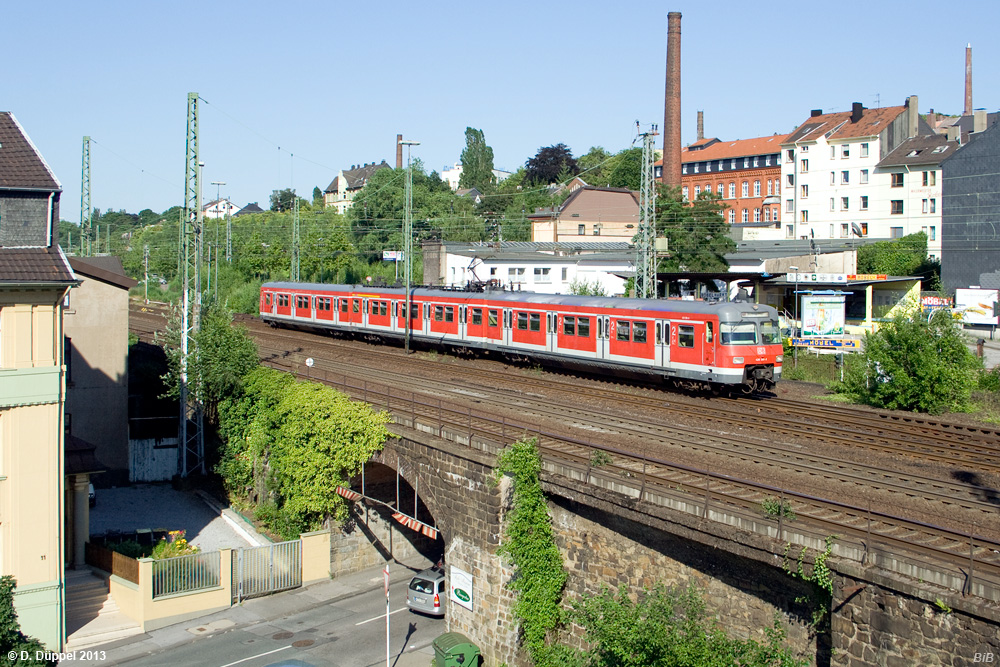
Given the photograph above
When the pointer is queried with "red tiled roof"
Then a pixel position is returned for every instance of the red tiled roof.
(872, 122)
(724, 150)
(21, 165)
(34, 265)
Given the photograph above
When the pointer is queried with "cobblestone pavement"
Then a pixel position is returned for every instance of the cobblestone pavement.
(155, 507)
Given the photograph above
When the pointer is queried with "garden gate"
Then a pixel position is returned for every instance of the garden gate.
(267, 569)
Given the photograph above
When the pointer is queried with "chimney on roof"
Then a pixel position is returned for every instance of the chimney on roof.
(952, 133)
(979, 120)
(671, 173)
(912, 116)
(968, 80)
(701, 125)
(856, 111)
(815, 112)
(399, 151)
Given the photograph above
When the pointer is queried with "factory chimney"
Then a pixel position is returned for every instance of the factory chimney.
(399, 151)
(968, 81)
(672, 105)
(701, 125)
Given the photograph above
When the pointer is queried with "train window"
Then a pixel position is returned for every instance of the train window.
(536, 322)
(624, 327)
(522, 321)
(583, 327)
(427, 311)
(343, 305)
(639, 332)
(267, 299)
(685, 335)
(769, 333)
(373, 307)
(449, 313)
(356, 307)
(477, 316)
(438, 313)
(600, 328)
(569, 326)
(740, 333)
(283, 300)
(383, 307)
(659, 333)
(491, 320)
(414, 311)
(709, 330)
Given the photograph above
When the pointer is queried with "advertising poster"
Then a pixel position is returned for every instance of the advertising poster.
(822, 315)
(976, 306)
(930, 303)
(461, 587)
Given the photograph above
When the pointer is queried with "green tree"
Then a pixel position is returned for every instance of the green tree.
(317, 197)
(625, 169)
(697, 234)
(12, 640)
(283, 200)
(477, 162)
(910, 364)
(593, 166)
(550, 164)
(906, 256)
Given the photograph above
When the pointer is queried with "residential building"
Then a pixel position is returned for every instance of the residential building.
(219, 208)
(35, 278)
(970, 237)
(600, 215)
(828, 166)
(252, 207)
(907, 185)
(95, 325)
(342, 190)
(546, 268)
(452, 175)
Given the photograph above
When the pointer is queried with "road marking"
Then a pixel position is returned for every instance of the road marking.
(371, 619)
(259, 655)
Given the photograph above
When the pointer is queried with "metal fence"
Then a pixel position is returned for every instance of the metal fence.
(267, 569)
(184, 574)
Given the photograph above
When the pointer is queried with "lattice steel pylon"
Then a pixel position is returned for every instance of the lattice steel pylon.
(645, 252)
(86, 212)
(191, 433)
(295, 237)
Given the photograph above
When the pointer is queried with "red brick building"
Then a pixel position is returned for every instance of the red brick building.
(746, 174)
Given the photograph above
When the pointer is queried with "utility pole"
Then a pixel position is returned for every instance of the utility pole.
(145, 271)
(191, 436)
(408, 236)
(645, 251)
(86, 213)
(295, 237)
(229, 234)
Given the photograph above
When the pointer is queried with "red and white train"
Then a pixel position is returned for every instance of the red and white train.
(691, 343)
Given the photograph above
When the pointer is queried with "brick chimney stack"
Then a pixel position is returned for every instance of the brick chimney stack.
(968, 81)
(701, 125)
(399, 151)
(672, 105)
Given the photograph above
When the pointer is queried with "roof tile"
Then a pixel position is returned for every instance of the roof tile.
(22, 167)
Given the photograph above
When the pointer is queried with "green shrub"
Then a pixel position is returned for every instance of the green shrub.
(12, 640)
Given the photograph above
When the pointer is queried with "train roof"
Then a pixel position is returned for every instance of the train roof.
(671, 305)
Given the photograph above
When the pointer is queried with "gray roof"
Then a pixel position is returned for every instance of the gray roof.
(926, 150)
(771, 249)
(35, 266)
(356, 177)
(540, 246)
(22, 167)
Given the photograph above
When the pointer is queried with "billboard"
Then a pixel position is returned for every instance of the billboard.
(461, 587)
(976, 306)
(822, 315)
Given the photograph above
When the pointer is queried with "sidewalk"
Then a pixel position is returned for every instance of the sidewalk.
(257, 612)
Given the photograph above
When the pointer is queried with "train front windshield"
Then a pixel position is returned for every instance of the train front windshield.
(747, 332)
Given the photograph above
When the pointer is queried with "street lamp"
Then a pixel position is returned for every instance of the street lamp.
(407, 240)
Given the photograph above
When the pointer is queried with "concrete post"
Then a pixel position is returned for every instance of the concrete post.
(81, 519)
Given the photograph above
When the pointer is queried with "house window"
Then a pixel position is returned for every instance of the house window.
(804, 166)
(864, 176)
(581, 230)
(789, 231)
(597, 229)
(930, 178)
(845, 151)
(804, 216)
(864, 202)
(896, 207)
(769, 187)
(732, 191)
(721, 163)
(719, 189)
(767, 214)
(733, 164)
(708, 166)
(684, 193)
(831, 231)
(789, 155)
(756, 188)
(767, 160)
(864, 229)
(923, 205)
(805, 149)
(565, 271)
(933, 232)
(864, 150)
(684, 169)
(745, 216)
(934, 206)
(844, 230)
(746, 162)
(833, 152)
(895, 232)
(777, 186)
(732, 216)
(697, 191)
(789, 206)
(542, 274)
(756, 215)
(774, 214)
(696, 167)
(804, 191)
(897, 180)
(790, 180)
(515, 274)
(845, 177)
(745, 189)
(756, 161)
(831, 203)
(844, 204)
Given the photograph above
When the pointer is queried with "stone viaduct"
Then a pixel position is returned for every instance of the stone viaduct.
(611, 531)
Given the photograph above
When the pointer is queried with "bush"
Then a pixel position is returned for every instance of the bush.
(174, 545)
(130, 548)
(909, 364)
(12, 640)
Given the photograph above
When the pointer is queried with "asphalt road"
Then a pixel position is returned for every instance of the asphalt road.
(347, 633)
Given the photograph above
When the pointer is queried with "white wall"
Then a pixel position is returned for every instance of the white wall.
(549, 278)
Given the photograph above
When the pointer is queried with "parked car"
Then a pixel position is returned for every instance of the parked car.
(425, 592)
(93, 496)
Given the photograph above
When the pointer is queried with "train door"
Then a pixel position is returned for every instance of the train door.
(461, 321)
(426, 326)
(662, 350)
(551, 331)
(709, 349)
(603, 335)
(508, 325)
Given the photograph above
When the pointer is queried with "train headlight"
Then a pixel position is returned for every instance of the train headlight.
(737, 360)
(778, 359)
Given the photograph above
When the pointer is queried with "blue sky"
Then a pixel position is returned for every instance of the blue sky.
(332, 83)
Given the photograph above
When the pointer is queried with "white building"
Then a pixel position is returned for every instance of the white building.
(835, 185)
(452, 175)
(219, 208)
